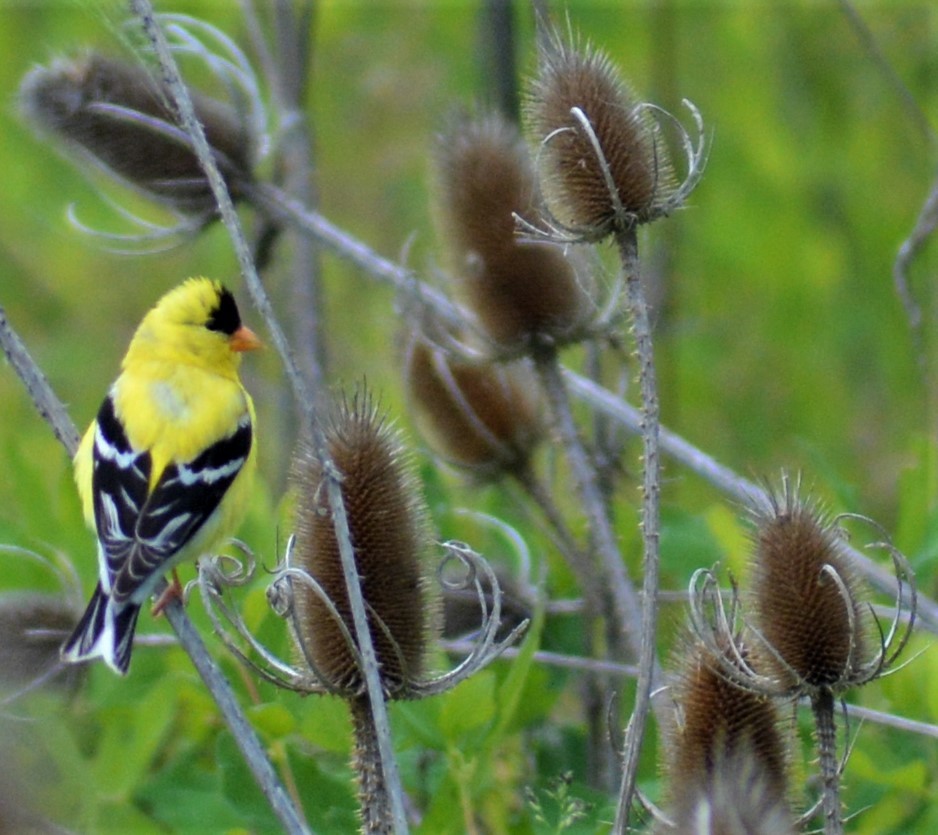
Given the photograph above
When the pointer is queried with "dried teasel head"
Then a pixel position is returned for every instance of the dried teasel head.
(603, 164)
(122, 117)
(718, 725)
(387, 520)
(738, 800)
(518, 290)
(807, 600)
(32, 628)
(482, 418)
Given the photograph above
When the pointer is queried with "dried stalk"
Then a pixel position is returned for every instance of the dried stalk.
(651, 486)
(170, 72)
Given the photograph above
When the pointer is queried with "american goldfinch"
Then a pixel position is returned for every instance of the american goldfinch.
(165, 470)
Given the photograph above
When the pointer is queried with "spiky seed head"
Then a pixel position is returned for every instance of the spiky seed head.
(718, 722)
(519, 290)
(603, 168)
(482, 175)
(32, 628)
(482, 418)
(388, 522)
(739, 800)
(806, 596)
(122, 117)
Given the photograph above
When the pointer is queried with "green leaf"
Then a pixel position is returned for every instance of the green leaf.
(468, 707)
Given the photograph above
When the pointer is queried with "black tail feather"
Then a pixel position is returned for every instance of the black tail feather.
(106, 631)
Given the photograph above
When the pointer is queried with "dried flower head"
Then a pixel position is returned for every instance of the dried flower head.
(719, 722)
(483, 418)
(120, 116)
(603, 164)
(738, 800)
(810, 630)
(32, 628)
(387, 520)
(807, 599)
(518, 290)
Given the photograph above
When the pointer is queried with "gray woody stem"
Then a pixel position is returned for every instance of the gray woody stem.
(651, 486)
(171, 77)
(624, 414)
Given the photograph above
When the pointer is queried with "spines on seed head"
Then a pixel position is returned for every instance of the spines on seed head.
(122, 117)
(806, 596)
(603, 166)
(519, 290)
(388, 523)
(482, 418)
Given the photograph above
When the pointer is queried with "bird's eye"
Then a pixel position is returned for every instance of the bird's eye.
(224, 317)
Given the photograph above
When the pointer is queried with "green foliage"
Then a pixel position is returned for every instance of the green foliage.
(780, 342)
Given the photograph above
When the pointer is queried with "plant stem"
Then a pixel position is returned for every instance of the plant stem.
(651, 486)
(373, 799)
(822, 706)
(246, 739)
(49, 406)
(304, 398)
(625, 602)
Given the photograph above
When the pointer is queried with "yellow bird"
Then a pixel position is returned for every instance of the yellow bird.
(165, 470)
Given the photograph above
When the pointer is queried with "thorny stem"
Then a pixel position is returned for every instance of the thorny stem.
(366, 759)
(822, 706)
(624, 598)
(651, 485)
(564, 540)
(171, 77)
(246, 739)
(597, 694)
(732, 484)
(624, 414)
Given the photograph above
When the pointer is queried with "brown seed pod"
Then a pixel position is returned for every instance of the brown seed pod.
(483, 175)
(719, 722)
(737, 801)
(388, 522)
(122, 117)
(806, 597)
(519, 290)
(482, 418)
(32, 628)
(602, 167)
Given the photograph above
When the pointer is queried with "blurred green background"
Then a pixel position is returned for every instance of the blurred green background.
(781, 342)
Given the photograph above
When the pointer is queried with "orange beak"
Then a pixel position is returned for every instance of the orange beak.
(244, 339)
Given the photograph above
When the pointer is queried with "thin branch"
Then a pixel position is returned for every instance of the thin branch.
(248, 743)
(651, 488)
(49, 406)
(868, 40)
(171, 77)
(375, 266)
(909, 249)
(626, 603)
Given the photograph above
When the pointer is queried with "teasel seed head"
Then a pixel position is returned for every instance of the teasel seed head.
(519, 290)
(482, 418)
(122, 117)
(603, 166)
(32, 628)
(807, 599)
(738, 801)
(718, 723)
(388, 523)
